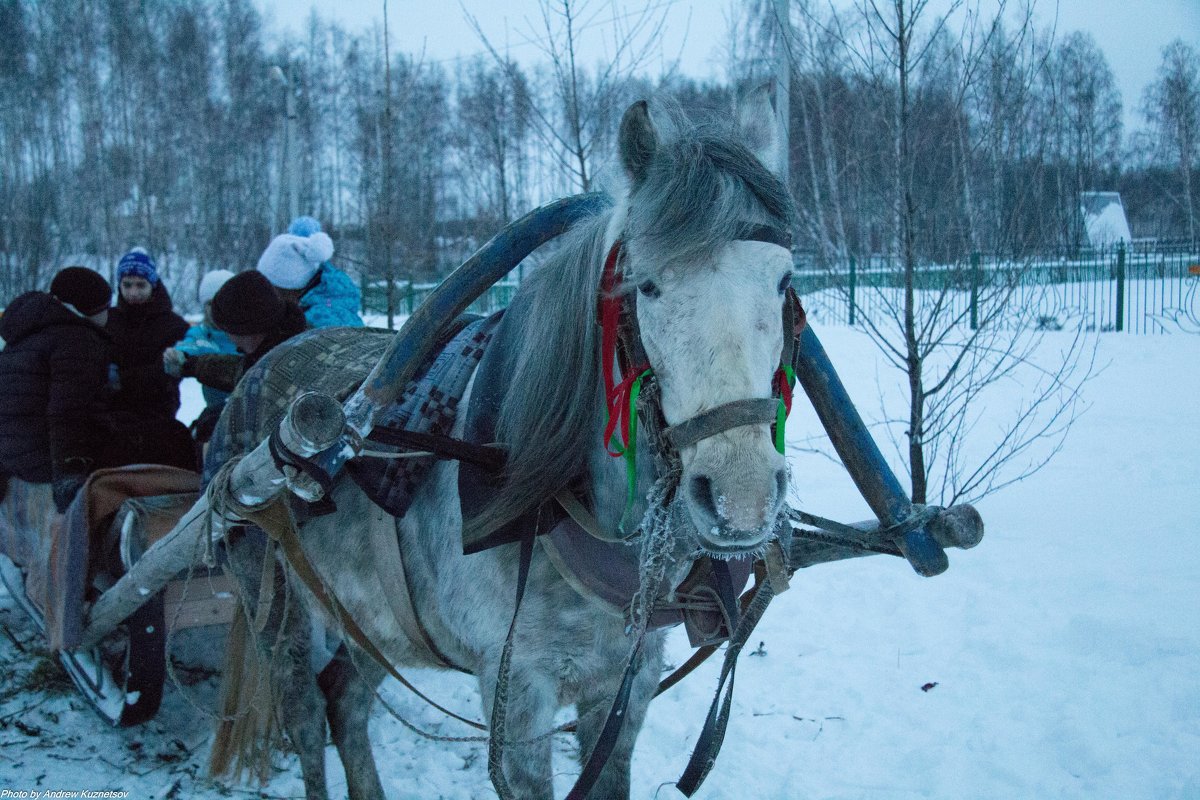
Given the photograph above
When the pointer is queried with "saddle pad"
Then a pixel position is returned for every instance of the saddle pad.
(336, 361)
(429, 404)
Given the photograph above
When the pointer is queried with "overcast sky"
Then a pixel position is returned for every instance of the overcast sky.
(1132, 33)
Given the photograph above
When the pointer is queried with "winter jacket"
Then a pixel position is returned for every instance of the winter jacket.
(140, 334)
(54, 408)
(222, 372)
(204, 339)
(331, 299)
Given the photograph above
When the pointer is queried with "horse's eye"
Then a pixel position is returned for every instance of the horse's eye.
(785, 282)
(649, 288)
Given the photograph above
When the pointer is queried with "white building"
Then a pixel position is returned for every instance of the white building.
(1104, 221)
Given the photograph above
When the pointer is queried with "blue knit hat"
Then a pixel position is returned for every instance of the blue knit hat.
(304, 226)
(137, 262)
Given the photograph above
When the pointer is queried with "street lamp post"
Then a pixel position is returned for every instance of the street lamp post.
(289, 185)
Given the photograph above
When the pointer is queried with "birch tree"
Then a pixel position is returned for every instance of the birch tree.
(1171, 105)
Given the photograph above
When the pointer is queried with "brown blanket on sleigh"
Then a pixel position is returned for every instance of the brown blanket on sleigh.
(59, 553)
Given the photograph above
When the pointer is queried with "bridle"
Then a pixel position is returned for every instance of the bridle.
(637, 395)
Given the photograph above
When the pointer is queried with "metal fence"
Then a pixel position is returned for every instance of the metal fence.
(1134, 289)
(410, 295)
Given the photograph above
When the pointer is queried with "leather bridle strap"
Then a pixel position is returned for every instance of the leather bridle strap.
(752, 411)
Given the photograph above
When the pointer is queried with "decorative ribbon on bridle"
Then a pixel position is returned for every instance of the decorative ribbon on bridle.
(785, 379)
(620, 431)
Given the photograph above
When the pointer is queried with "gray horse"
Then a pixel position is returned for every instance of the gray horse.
(708, 305)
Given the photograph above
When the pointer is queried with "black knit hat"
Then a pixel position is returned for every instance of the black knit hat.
(247, 304)
(83, 288)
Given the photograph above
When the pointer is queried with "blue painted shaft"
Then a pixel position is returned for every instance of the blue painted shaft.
(858, 451)
(415, 339)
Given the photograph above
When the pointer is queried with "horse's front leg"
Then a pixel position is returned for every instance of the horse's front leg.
(349, 683)
(596, 699)
(529, 713)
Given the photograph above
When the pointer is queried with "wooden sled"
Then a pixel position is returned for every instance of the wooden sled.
(54, 565)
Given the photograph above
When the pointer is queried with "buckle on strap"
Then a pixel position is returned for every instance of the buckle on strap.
(752, 411)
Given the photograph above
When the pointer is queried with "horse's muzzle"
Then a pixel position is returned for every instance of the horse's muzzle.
(731, 523)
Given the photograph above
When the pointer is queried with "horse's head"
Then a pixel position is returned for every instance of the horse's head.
(705, 246)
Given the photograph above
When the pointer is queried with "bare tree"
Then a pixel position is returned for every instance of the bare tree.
(1083, 107)
(576, 119)
(491, 137)
(1172, 107)
(930, 108)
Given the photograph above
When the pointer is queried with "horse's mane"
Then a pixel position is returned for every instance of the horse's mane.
(700, 191)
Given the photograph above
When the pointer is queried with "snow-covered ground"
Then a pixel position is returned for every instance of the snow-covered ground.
(1059, 659)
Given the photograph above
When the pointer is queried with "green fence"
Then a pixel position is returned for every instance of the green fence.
(410, 295)
(1136, 289)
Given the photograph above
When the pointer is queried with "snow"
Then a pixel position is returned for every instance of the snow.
(1058, 659)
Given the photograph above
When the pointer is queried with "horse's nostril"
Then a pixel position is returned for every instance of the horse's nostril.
(701, 489)
(781, 485)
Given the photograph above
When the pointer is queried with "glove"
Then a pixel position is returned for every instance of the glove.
(178, 364)
(206, 423)
(64, 489)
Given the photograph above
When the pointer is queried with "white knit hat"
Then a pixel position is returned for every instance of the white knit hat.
(211, 282)
(289, 262)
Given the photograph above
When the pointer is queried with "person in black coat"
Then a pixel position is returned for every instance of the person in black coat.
(257, 319)
(142, 326)
(54, 420)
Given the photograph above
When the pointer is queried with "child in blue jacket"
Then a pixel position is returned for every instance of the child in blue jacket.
(297, 264)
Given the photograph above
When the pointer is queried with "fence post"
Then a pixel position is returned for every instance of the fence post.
(974, 290)
(853, 281)
(1120, 321)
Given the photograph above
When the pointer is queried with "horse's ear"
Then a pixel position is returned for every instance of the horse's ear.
(637, 141)
(760, 127)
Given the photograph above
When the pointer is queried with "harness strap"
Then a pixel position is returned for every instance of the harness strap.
(611, 730)
(499, 720)
(752, 411)
(767, 233)
(389, 564)
(484, 456)
(283, 457)
(704, 756)
(277, 521)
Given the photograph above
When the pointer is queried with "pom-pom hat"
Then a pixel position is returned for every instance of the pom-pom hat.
(247, 305)
(211, 283)
(83, 289)
(304, 226)
(291, 261)
(138, 262)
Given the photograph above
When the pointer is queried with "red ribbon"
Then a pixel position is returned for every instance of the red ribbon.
(784, 388)
(616, 394)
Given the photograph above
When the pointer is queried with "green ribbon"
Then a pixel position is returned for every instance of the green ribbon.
(630, 452)
(781, 413)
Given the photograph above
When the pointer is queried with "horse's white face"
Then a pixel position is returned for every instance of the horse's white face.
(713, 334)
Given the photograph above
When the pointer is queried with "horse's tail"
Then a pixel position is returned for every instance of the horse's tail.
(248, 730)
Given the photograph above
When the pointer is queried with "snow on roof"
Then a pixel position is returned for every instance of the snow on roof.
(1104, 218)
